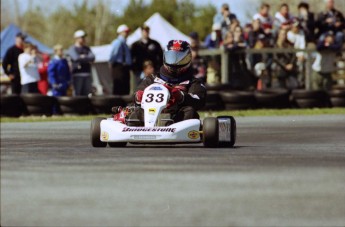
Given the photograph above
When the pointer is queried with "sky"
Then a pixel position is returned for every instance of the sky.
(239, 7)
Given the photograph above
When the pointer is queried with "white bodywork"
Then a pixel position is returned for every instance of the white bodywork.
(155, 99)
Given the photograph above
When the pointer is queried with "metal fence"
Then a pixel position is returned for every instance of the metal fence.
(307, 72)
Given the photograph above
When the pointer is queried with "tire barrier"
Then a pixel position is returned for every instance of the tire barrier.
(37, 104)
(238, 100)
(273, 98)
(213, 101)
(79, 105)
(11, 106)
(218, 87)
(128, 99)
(337, 97)
(310, 99)
(103, 104)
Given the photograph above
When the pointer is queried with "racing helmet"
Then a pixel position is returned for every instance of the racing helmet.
(177, 57)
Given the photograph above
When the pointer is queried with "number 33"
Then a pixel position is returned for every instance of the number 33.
(150, 97)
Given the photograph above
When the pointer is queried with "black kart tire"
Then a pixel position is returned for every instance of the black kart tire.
(103, 104)
(340, 93)
(213, 101)
(239, 106)
(38, 104)
(305, 94)
(337, 102)
(311, 103)
(272, 98)
(11, 106)
(95, 132)
(75, 105)
(118, 144)
(210, 132)
(218, 87)
(238, 97)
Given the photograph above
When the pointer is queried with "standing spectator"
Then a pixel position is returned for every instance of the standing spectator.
(195, 40)
(214, 40)
(283, 19)
(58, 72)
(224, 18)
(81, 57)
(286, 63)
(327, 48)
(29, 75)
(263, 16)
(254, 34)
(331, 20)
(261, 63)
(10, 63)
(43, 70)
(120, 62)
(307, 21)
(296, 36)
(145, 49)
(237, 65)
(147, 69)
(199, 64)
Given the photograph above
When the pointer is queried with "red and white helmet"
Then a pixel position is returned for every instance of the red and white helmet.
(178, 57)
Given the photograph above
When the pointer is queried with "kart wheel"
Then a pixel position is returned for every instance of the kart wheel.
(210, 132)
(119, 144)
(95, 132)
(230, 142)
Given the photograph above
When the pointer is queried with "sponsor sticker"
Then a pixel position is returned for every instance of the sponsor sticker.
(105, 136)
(193, 135)
(152, 111)
(156, 88)
(143, 129)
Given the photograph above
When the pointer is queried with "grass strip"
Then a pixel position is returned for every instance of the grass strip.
(235, 113)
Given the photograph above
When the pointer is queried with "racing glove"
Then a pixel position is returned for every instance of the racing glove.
(139, 97)
(177, 97)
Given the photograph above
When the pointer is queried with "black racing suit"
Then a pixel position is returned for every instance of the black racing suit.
(194, 94)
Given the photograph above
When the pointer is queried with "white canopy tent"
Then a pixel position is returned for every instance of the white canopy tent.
(160, 30)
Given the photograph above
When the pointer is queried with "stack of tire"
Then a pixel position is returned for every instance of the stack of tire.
(273, 98)
(238, 100)
(213, 99)
(37, 104)
(310, 99)
(79, 105)
(103, 104)
(337, 97)
(11, 106)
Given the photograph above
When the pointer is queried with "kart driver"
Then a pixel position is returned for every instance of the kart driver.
(187, 93)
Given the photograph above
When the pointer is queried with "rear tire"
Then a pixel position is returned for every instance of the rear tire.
(210, 132)
(95, 132)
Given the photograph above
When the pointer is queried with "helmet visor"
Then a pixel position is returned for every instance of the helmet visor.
(177, 58)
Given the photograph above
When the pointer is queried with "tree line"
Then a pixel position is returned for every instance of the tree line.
(101, 24)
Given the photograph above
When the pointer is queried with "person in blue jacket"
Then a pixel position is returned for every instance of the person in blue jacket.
(59, 75)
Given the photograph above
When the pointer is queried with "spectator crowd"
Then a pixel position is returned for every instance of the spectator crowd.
(68, 71)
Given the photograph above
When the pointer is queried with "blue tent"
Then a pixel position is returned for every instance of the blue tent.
(8, 36)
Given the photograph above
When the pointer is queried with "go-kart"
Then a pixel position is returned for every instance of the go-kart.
(159, 127)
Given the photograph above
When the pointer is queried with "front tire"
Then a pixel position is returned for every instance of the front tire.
(118, 144)
(95, 132)
(210, 132)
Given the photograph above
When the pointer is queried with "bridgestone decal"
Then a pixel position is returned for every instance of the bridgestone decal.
(126, 129)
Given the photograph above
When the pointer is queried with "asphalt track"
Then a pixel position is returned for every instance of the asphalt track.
(285, 171)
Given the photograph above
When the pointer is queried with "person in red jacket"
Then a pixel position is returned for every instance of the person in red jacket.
(43, 70)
